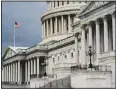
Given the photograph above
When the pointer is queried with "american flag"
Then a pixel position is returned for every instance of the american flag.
(17, 25)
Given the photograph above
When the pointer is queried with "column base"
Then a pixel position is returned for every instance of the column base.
(18, 82)
(28, 82)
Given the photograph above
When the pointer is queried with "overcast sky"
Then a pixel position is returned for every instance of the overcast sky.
(28, 14)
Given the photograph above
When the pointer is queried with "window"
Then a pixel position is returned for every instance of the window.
(62, 2)
(71, 55)
(67, 2)
(58, 3)
(53, 60)
(65, 56)
(54, 3)
(58, 58)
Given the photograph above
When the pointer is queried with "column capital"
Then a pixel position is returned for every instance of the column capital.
(114, 13)
(83, 26)
(104, 17)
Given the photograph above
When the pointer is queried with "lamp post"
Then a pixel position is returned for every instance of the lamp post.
(90, 53)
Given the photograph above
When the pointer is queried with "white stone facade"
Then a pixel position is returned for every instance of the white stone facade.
(67, 32)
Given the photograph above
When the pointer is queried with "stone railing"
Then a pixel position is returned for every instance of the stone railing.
(61, 42)
(42, 76)
(99, 68)
(59, 65)
(37, 47)
(21, 50)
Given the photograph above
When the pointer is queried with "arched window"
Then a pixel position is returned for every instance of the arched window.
(53, 60)
(65, 56)
(72, 55)
(58, 58)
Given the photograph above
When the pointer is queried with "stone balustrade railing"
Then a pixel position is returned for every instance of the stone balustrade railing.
(61, 42)
(45, 47)
(99, 68)
(64, 8)
(42, 76)
(59, 65)
(37, 47)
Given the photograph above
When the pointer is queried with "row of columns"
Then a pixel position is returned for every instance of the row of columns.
(57, 25)
(97, 23)
(31, 67)
(55, 4)
(11, 72)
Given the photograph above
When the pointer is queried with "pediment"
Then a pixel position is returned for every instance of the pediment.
(8, 53)
(92, 6)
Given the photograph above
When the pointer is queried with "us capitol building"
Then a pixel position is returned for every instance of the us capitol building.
(77, 49)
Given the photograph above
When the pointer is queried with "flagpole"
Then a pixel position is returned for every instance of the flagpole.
(14, 34)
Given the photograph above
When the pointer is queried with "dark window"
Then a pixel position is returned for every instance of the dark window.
(58, 3)
(72, 55)
(65, 56)
(53, 60)
(54, 3)
(67, 2)
(58, 58)
(62, 2)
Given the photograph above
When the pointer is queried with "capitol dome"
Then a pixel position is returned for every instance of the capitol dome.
(56, 22)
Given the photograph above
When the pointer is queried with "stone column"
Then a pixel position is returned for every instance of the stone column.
(65, 25)
(13, 72)
(49, 5)
(9, 72)
(51, 25)
(105, 34)
(47, 28)
(60, 3)
(69, 23)
(65, 2)
(76, 48)
(62, 24)
(34, 66)
(44, 29)
(90, 34)
(56, 25)
(4, 73)
(28, 70)
(60, 29)
(31, 66)
(19, 77)
(16, 72)
(114, 30)
(56, 4)
(37, 65)
(83, 46)
(97, 40)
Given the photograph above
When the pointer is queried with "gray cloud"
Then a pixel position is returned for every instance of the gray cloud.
(28, 14)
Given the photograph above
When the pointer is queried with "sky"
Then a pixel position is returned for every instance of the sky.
(28, 14)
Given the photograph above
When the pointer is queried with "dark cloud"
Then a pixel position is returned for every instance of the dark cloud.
(28, 14)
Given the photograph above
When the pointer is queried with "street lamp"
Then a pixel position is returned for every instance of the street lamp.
(90, 53)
